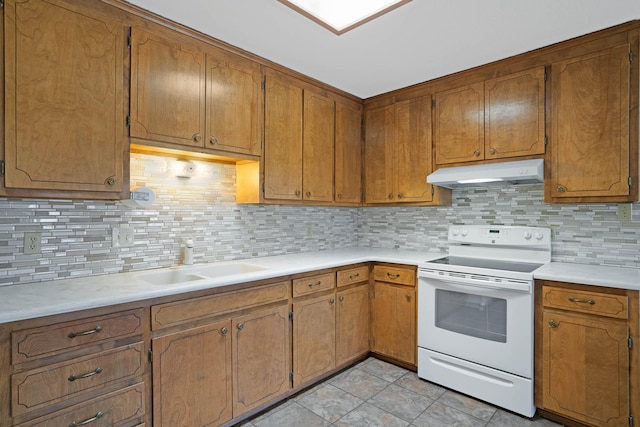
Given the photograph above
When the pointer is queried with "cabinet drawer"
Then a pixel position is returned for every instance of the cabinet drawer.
(45, 386)
(36, 343)
(308, 285)
(179, 312)
(116, 408)
(352, 275)
(601, 304)
(400, 275)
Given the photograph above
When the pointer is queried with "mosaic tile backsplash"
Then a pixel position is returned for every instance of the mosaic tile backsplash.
(76, 235)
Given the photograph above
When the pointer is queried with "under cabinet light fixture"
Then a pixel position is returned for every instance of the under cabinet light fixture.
(340, 16)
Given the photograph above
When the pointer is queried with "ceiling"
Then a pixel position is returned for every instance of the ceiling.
(419, 41)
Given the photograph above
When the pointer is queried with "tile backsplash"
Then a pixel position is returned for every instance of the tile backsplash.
(76, 235)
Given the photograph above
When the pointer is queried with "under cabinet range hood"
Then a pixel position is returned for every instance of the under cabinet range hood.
(504, 173)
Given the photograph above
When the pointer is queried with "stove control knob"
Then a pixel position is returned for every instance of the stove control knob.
(455, 231)
(527, 235)
(464, 233)
(538, 235)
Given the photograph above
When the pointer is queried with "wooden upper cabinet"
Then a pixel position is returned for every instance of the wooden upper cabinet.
(348, 153)
(398, 152)
(318, 149)
(496, 119)
(514, 115)
(235, 104)
(167, 90)
(459, 124)
(590, 138)
(64, 117)
(413, 139)
(379, 154)
(283, 138)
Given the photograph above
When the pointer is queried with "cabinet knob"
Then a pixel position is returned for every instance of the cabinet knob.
(553, 323)
(476, 153)
(332, 300)
(492, 150)
(213, 140)
(240, 326)
(197, 137)
(390, 196)
(341, 298)
(308, 193)
(561, 189)
(400, 196)
(224, 331)
(298, 193)
(408, 297)
(339, 195)
(111, 180)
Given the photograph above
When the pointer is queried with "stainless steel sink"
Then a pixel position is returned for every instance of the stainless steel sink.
(194, 273)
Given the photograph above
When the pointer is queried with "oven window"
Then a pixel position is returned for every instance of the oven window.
(474, 315)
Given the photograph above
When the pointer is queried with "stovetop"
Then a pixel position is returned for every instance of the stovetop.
(492, 264)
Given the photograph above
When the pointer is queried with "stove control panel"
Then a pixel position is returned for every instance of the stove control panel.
(500, 235)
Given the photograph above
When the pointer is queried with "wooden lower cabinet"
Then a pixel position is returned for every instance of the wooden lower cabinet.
(192, 377)
(314, 337)
(205, 376)
(261, 357)
(393, 314)
(352, 323)
(583, 354)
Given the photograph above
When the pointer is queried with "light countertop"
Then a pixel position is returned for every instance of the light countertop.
(25, 301)
(31, 300)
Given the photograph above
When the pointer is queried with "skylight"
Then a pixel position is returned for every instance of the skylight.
(341, 16)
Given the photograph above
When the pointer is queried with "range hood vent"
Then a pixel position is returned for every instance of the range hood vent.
(505, 173)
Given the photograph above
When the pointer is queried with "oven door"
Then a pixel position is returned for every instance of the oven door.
(488, 325)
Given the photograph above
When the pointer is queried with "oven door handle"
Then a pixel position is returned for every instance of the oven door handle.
(474, 281)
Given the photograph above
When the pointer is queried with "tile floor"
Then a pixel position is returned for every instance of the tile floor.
(376, 393)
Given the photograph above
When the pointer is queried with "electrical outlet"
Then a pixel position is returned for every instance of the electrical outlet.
(32, 243)
(624, 211)
(122, 236)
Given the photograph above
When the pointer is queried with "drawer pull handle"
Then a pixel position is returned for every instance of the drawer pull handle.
(393, 276)
(582, 301)
(553, 323)
(353, 276)
(88, 420)
(312, 284)
(89, 332)
(87, 375)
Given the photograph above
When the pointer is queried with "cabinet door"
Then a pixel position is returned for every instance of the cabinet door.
(459, 124)
(380, 155)
(590, 125)
(348, 151)
(283, 139)
(318, 140)
(586, 369)
(514, 115)
(352, 324)
(192, 377)
(261, 357)
(413, 139)
(64, 103)
(314, 338)
(393, 322)
(234, 104)
(167, 90)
